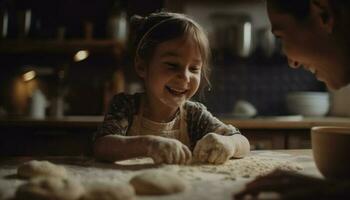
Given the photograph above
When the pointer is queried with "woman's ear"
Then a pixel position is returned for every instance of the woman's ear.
(140, 67)
(322, 10)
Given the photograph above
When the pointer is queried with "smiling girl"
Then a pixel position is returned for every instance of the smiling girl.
(171, 57)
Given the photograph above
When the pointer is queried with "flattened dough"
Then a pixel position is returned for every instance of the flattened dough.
(36, 168)
(156, 182)
(50, 188)
(109, 191)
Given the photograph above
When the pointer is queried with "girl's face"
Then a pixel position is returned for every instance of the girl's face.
(173, 74)
(307, 43)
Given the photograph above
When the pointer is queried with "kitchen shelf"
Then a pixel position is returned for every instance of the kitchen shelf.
(57, 46)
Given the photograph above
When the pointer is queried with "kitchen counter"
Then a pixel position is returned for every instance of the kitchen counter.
(284, 122)
(72, 135)
(204, 184)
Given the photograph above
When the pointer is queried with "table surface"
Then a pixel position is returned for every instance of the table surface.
(206, 181)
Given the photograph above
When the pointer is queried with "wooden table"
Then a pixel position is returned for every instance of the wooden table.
(204, 184)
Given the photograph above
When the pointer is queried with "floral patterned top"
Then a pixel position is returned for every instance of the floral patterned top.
(199, 120)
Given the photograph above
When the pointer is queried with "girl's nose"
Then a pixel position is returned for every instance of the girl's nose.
(185, 75)
(293, 64)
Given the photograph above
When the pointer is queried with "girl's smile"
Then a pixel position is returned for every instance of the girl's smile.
(176, 92)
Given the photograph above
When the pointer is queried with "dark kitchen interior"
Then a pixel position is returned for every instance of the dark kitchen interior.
(62, 62)
(259, 79)
(79, 52)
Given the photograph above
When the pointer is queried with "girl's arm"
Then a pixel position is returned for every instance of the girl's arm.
(160, 149)
(111, 142)
(241, 143)
(214, 141)
(118, 147)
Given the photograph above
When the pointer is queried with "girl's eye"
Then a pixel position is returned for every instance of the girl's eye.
(171, 65)
(195, 69)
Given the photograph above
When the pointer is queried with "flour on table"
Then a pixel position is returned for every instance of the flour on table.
(109, 191)
(48, 188)
(158, 182)
(249, 166)
(35, 168)
(206, 181)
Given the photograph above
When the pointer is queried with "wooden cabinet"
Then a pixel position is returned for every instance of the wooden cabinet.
(47, 137)
(280, 133)
(278, 138)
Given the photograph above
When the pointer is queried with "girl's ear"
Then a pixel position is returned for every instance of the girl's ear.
(140, 67)
(322, 10)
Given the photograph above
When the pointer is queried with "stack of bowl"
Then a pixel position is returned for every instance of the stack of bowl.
(314, 104)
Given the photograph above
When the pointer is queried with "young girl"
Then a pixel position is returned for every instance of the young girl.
(171, 58)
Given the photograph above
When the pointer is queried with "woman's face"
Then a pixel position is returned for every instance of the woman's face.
(308, 44)
(174, 72)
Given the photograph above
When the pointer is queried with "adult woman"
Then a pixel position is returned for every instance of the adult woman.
(314, 35)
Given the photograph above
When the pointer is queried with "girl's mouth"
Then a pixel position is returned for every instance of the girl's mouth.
(176, 92)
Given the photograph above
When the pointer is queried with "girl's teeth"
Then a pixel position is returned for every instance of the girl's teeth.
(175, 91)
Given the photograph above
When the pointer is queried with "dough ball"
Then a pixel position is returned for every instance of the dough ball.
(155, 182)
(36, 168)
(50, 188)
(109, 191)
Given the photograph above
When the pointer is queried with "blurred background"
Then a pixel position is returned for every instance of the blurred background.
(62, 61)
(69, 57)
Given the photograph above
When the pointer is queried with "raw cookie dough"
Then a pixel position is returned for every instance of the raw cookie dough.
(109, 191)
(156, 182)
(36, 168)
(50, 188)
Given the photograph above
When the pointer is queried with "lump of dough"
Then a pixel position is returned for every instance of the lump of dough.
(155, 182)
(50, 188)
(36, 168)
(109, 191)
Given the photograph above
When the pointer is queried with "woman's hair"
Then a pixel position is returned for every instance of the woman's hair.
(150, 31)
(300, 9)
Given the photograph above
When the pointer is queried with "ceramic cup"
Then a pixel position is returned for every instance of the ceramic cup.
(331, 150)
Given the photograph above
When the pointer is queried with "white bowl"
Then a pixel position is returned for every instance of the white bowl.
(308, 103)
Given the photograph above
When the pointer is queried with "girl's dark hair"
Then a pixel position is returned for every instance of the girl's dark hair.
(150, 31)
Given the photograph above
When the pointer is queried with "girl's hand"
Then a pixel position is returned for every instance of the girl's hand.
(169, 151)
(214, 148)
